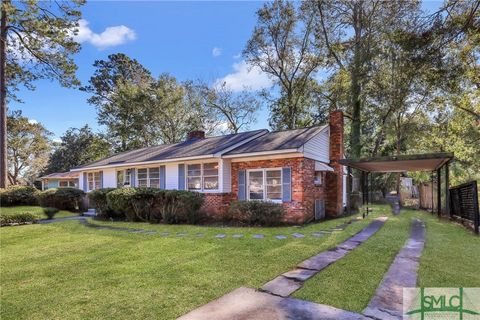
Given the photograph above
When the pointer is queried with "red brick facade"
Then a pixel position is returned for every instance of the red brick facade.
(304, 191)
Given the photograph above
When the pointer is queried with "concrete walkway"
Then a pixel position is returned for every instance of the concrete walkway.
(272, 301)
(289, 282)
(388, 300)
(72, 218)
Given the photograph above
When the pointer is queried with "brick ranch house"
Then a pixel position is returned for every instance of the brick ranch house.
(298, 168)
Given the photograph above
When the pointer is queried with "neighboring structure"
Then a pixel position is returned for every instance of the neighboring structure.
(298, 168)
(60, 180)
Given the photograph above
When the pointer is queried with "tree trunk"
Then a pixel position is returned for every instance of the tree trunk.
(355, 88)
(3, 97)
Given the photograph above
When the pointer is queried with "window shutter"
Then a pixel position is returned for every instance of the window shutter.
(85, 182)
(101, 179)
(162, 177)
(181, 176)
(242, 190)
(132, 177)
(287, 184)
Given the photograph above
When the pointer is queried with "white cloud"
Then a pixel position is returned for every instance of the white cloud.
(57, 140)
(245, 77)
(216, 52)
(237, 56)
(111, 36)
(32, 121)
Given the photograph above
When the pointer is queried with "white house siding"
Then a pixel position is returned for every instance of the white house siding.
(171, 176)
(318, 147)
(226, 181)
(109, 178)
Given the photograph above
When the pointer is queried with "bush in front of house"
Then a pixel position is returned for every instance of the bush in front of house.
(98, 200)
(50, 212)
(18, 195)
(179, 206)
(256, 213)
(120, 201)
(21, 217)
(62, 198)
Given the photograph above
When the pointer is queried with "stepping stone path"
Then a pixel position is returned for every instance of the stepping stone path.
(318, 234)
(281, 237)
(47, 221)
(388, 300)
(298, 235)
(181, 234)
(164, 234)
(220, 236)
(200, 235)
(285, 284)
(237, 236)
(258, 236)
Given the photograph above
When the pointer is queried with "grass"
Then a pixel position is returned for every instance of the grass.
(36, 210)
(450, 259)
(66, 270)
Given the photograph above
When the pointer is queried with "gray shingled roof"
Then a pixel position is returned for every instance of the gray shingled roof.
(278, 140)
(190, 148)
(61, 175)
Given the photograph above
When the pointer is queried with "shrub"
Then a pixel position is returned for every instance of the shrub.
(18, 195)
(98, 200)
(143, 203)
(177, 206)
(50, 212)
(62, 198)
(120, 200)
(256, 212)
(20, 217)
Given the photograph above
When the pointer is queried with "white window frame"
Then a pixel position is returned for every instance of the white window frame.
(264, 170)
(322, 177)
(126, 182)
(148, 176)
(70, 184)
(202, 176)
(95, 187)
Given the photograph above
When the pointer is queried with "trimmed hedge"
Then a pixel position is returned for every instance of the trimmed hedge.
(18, 195)
(50, 212)
(154, 205)
(21, 217)
(62, 198)
(98, 200)
(256, 212)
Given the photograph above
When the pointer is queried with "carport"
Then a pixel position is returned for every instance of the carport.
(430, 162)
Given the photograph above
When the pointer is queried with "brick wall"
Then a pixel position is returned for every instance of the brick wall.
(304, 192)
(216, 204)
(334, 180)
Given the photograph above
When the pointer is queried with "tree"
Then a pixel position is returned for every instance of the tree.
(35, 43)
(77, 147)
(28, 148)
(281, 46)
(236, 111)
(118, 87)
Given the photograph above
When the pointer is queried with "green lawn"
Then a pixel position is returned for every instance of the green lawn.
(66, 270)
(450, 259)
(38, 211)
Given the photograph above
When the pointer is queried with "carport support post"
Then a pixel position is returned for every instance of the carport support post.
(439, 191)
(447, 193)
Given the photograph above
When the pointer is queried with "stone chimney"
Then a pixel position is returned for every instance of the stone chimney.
(334, 180)
(194, 135)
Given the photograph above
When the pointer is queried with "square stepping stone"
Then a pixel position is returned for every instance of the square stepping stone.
(200, 234)
(300, 274)
(318, 234)
(298, 235)
(164, 234)
(281, 237)
(282, 286)
(259, 236)
(236, 236)
(150, 232)
(220, 236)
(181, 234)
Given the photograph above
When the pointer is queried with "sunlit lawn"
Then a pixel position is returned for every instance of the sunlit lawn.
(37, 211)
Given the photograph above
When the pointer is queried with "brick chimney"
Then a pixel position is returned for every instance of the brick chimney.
(334, 180)
(194, 135)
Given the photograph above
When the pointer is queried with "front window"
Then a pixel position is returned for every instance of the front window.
(202, 176)
(265, 184)
(123, 178)
(93, 179)
(318, 178)
(149, 177)
(72, 184)
(63, 184)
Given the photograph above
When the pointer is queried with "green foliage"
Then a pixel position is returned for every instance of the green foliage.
(98, 200)
(256, 212)
(19, 217)
(28, 148)
(120, 201)
(18, 195)
(62, 198)
(77, 147)
(50, 212)
(177, 206)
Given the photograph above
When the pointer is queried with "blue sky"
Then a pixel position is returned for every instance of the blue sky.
(190, 40)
